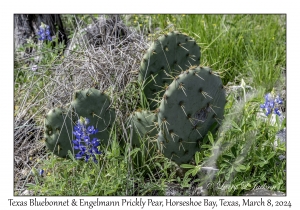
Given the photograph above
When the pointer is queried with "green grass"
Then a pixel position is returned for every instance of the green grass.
(248, 47)
(241, 45)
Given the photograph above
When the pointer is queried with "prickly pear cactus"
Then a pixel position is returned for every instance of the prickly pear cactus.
(192, 103)
(145, 128)
(58, 132)
(95, 105)
(169, 55)
(88, 103)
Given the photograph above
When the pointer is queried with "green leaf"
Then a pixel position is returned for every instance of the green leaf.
(228, 155)
(223, 165)
(205, 146)
(272, 154)
(30, 185)
(283, 123)
(195, 170)
(261, 158)
(236, 126)
(227, 161)
(72, 157)
(240, 168)
(210, 138)
(92, 172)
(237, 169)
(231, 169)
(253, 124)
(109, 192)
(277, 120)
(261, 164)
(197, 158)
(188, 173)
(185, 182)
(134, 151)
(187, 166)
(233, 151)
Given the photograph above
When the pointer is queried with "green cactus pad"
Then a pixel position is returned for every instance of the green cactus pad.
(192, 103)
(169, 55)
(95, 105)
(58, 132)
(145, 128)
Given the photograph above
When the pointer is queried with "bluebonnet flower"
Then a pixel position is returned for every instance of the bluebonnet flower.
(34, 67)
(87, 147)
(281, 157)
(271, 104)
(44, 32)
(41, 172)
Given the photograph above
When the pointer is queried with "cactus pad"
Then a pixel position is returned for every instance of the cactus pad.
(145, 129)
(192, 103)
(95, 105)
(58, 132)
(169, 55)
(144, 124)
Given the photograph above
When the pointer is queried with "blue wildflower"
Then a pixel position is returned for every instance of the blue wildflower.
(91, 130)
(86, 139)
(78, 134)
(268, 111)
(268, 97)
(271, 104)
(95, 142)
(278, 100)
(87, 147)
(276, 111)
(281, 157)
(44, 32)
(77, 128)
(41, 172)
(34, 67)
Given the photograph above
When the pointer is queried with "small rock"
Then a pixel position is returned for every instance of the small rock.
(27, 192)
